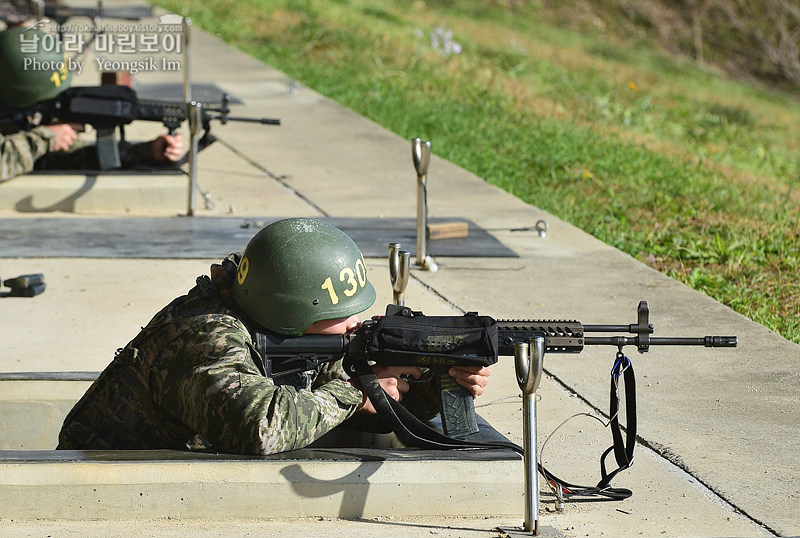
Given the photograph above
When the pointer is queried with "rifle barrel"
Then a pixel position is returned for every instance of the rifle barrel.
(263, 121)
(706, 341)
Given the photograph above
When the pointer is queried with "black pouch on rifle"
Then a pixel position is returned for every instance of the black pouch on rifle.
(403, 337)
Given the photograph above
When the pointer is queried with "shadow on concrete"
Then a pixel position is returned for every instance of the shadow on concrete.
(354, 486)
(67, 205)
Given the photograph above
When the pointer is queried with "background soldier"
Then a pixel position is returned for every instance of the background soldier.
(58, 146)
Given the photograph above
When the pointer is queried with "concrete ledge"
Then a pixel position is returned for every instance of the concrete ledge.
(378, 477)
(114, 192)
(33, 406)
(344, 483)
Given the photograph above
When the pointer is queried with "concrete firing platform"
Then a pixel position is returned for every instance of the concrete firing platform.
(723, 423)
(105, 486)
(33, 406)
(322, 482)
(95, 193)
(348, 473)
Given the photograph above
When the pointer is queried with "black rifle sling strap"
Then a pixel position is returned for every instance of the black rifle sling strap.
(623, 451)
(414, 433)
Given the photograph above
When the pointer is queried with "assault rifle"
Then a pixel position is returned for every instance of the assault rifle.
(107, 108)
(405, 337)
(60, 13)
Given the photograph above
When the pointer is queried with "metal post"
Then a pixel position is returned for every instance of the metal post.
(399, 265)
(186, 24)
(528, 366)
(421, 153)
(38, 9)
(194, 112)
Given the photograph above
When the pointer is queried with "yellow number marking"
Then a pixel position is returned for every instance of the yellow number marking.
(328, 285)
(361, 272)
(244, 267)
(347, 276)
(353, 280)
(64, 71)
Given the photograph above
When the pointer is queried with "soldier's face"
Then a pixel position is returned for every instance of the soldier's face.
(335, 326)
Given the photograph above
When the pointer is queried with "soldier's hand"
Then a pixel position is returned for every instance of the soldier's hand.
(167, 148)
(473, 378)
(390, 378)
(66, 135)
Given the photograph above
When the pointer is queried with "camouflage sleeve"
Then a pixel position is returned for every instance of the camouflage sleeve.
(19, 151)
(214, 387)
(330, 371)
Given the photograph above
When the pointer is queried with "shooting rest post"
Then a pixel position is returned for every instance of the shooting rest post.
(399, 266)
(529, 365)
(421, 154)
(194, 113)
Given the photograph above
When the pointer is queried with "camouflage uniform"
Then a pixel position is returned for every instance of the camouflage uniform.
(19, 151)
(24, 151)
(193, 375)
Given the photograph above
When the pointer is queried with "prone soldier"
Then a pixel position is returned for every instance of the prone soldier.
(193, 377)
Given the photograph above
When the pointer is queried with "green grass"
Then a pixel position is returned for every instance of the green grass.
(691, 173)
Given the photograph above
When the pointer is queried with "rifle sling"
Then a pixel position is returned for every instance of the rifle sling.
(413, 432)
(623, 451)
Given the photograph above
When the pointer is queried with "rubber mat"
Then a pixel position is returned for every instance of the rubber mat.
(209, 94)
(487, 434)
(212, 237)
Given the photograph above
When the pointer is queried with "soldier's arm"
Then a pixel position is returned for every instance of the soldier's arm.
(164, 149)
(227, 400)
(19, 151)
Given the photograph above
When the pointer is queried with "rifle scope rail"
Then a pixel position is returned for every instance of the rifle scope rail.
(569, 336)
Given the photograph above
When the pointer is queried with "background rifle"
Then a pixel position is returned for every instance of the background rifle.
(60, 13)
(107, 108)
(289, 355)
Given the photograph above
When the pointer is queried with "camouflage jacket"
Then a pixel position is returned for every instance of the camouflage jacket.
(192, 378)
(19, 151)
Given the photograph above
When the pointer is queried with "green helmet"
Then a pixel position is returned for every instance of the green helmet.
(33, 65)
(298, 271)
